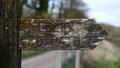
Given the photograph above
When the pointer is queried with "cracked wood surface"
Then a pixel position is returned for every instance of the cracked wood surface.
(60, 34)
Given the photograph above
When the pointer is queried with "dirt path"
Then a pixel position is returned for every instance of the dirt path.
(46, 60)
(51, 59)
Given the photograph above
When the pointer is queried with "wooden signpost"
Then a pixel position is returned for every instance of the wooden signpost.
(9, 47)
(60, 34)
(42, 34)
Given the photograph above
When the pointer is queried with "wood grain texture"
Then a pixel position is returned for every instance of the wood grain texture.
(60, 34)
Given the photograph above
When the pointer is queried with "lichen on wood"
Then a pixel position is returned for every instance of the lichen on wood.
(9, 2)
(56, 34)
(9, 53)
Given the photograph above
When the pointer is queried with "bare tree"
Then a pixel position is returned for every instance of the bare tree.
(73, 9)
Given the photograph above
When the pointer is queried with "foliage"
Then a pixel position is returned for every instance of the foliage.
(65, 8)
(42, 16)
(107, 64)
(113, 33)
(105, 60)
(117, 63)
(40, 6)
(103, 64)
(72, 9)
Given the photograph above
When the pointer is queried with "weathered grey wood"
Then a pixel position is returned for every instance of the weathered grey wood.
(77, 59)
(42, 34)
(61, 34)
(9, 53)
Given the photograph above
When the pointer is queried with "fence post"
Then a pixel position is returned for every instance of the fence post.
(59, 58)
(9, 52)
(77, 59)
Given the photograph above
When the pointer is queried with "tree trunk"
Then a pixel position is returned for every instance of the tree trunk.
(43, 5)
(9, 52)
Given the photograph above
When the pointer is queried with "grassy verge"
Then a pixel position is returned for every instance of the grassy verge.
(106, 64)
(103, 62)
(26, 54)
(117, 63)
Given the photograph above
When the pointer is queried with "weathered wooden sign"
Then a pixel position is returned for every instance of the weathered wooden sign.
(62, 34)
(42, 34)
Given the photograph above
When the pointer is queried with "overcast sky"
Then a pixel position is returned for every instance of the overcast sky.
(107, 11)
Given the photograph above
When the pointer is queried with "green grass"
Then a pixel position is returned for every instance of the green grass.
(117, 63)
(106, 64)
(26, 54)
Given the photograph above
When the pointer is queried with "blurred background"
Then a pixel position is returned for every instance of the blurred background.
(105, 12)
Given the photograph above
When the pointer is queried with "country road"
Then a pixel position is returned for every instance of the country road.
(51, 59)
(40, 61)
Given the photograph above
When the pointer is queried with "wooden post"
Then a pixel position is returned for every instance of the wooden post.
(60, 34)
(9, 52)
